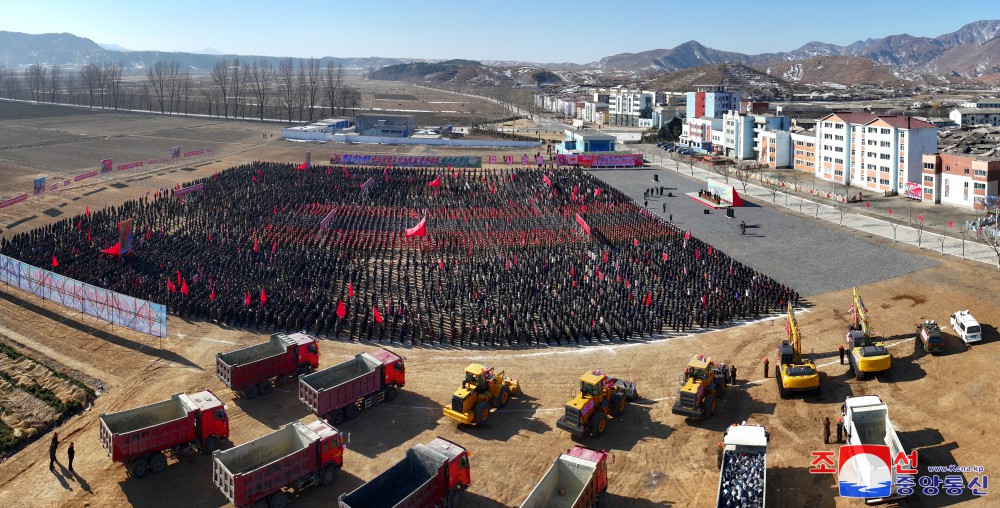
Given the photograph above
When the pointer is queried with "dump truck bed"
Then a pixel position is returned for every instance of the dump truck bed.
(260, 362)
(743, 478)
(416, 481)
(246, 472)
(569, 483)
(128, 434)
(335, 387)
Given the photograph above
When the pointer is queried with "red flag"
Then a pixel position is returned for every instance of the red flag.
(635, 242)
(710, 250)
(433, 183)
(583, 224)
(254, 178)
(147, 235)
(178, 276)
(649, 298)
(246, 301)
(55, 262)
(600, 275)
(920, 217)
(597, 192)
(78, 224)
(341, 310)
(255, 245)
(665, 256)
(890, 211)
(687, 235)
(212, 296)
(949, 224)
(88, 235)
(171, 287)
(507, 264)
(263, 296)
(350, 290)
(546, 180)
(184, 287)
(302, 166)
(866, 204)
(441, 264)
(572, 271)
(605, 256)
(276, 209)
(697, 254)
(419, 230)
(274, 246)
(378, 315)
(88, 211)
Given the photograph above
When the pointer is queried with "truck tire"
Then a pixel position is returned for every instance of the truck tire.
(617, 404)
(278, 500)
(265, 387)
(782, 392)
(482, 412)
(138, 468)
(328, 475)
(710, 405)
(455, 497)
(391, 392)
(157, 462)
(210, 445)
(503, 397)
(261, 503)
(250, 392)
(598, 423)
(338, 418)
(352, 412)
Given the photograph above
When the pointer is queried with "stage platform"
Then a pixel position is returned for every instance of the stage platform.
(710, 204)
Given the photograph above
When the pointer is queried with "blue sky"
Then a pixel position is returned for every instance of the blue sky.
(539, 31)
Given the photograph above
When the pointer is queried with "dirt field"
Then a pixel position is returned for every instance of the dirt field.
(941, 404)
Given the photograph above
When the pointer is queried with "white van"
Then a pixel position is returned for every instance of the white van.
(966, 327)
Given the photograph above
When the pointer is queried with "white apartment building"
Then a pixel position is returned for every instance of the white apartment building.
(876, 153)
(626, 106)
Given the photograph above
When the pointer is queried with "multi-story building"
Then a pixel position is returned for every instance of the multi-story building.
(712, 101)
(804, 150)
(959, 180)
(975, 116)
(662, 115)
(762, 123)
(592, 109)
(628, 106)
(738, 135)
(774, 148)
(697, 133)
(984, 103)
(877, 153)
(754, 107)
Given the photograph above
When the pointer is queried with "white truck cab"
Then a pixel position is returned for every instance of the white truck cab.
(966, 326)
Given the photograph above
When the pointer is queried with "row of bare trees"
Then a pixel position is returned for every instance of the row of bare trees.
(291, 91)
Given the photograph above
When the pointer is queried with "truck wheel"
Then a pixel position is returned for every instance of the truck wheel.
(278, 500)
(390, 393)
(250, 392)
(265, 387)
(211, 444)
(504, 397)
(138, 468)
(482, 412)
(328, 476)
(617, 405)
(455, 498)
(598, 423)
(157, 462)
(352, 412)
(338, 418)
(858, 374)
(261, 503)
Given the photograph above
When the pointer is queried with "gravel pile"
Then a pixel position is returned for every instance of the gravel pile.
(742, 481)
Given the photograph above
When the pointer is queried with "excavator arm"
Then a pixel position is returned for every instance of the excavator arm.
(860, 313)
(793, 335)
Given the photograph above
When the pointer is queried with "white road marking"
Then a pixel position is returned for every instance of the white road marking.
(231, 343)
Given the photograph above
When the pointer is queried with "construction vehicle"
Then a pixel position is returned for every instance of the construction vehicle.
(577, 479)
(794, 373)
(139, 437)
(257, 369)
(865, 354)
(743, 472)
(481, 389)
(341, 392)
(704, 382)
(866, 422)
(600, 397)
(434, 474)
(929, 339)
(296, 456)
(966, 326)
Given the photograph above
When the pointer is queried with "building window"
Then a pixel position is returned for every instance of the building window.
(929, 165)
(966, 170)
(883, 169)
(838, 161)
(979, 186)
(947, 187)
(872, 130)
(884, 156)
(980, 172)
(902, 161)
(885, 131)
(838, 138)
(809, 145)
(928, 179)
(947, 169)
(883, 181)
(885, 144)
(838, 172)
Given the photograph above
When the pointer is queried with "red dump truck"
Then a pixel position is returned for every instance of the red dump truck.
(297, 457)
(434, 474)
(138, 437)
(256, 369)
(576, 479)
(341, 392)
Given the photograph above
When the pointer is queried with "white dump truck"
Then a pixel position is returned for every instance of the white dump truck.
(743, 474)
(866, 422)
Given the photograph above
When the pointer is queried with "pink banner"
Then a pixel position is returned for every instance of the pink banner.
(130, 165)
(582, 223)
(11, 201)
(493, 159)
(193, 153)
(84, 176)
(186, 190)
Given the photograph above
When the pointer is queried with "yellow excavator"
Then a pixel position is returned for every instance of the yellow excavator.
(865, 353)
(795, 374)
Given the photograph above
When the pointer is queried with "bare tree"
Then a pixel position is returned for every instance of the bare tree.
(332, 83)
(55, 74)
(35, 75)
(12, 85)
(286, 84)
(173, 86)
(71, 87)
(157, 77)
(112, 73)
(210, 97)
(237, 85)
(773, 185)
(992, 239)
(184, 91)
(745, 174)
(220, 76)
(352, 98)
(920, 229)
(314, 79)
(300, 88)
(145, 98)
(90, 76)
(261, 75)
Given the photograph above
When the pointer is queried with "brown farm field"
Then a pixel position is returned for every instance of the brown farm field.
(941, 404)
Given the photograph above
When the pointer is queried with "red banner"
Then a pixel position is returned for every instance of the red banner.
(84, 176)
(193, 153)
(594, 160)
(11, 201)
(122, 167)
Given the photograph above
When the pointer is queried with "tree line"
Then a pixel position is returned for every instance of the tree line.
(305, 91)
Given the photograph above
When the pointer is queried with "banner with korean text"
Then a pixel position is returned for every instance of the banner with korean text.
(407, 161)
(122, 310)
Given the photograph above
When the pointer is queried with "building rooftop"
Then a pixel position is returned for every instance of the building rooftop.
(979, 111)
(593, 135)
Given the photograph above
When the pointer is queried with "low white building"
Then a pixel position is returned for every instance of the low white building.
(965, 117)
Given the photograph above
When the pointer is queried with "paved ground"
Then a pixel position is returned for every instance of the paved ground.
(808, 254)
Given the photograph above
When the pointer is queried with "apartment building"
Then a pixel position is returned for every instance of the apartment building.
(774, 148)
(697, 133)
(966, 117)
(803, 150)
(627, 107)
(711, 101)
(958, 179)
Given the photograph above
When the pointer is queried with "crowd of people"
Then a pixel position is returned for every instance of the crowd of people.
(509, 257)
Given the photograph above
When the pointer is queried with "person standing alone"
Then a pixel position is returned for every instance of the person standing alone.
(70, 453)
(53, 445)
